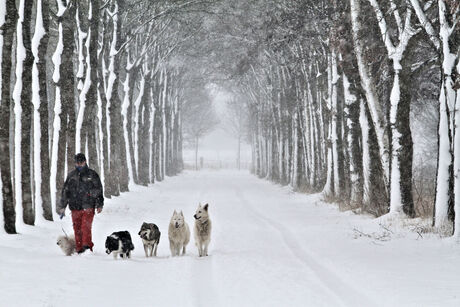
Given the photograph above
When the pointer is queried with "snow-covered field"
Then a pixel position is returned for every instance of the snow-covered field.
(270, 247)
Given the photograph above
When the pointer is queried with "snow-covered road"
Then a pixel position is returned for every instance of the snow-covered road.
(270, 247)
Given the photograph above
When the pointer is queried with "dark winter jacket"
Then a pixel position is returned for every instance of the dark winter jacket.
(82, 190)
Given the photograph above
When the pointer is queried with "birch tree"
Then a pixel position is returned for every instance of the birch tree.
(400, 189)
(446, 43)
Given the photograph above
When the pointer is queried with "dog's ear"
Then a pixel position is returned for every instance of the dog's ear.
(206, 207)
(181, 213)
(175, 213)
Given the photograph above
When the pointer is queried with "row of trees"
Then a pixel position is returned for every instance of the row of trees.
(329, 86)
(332, 90)
(87, 76)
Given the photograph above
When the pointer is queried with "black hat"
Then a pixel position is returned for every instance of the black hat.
(79, 158)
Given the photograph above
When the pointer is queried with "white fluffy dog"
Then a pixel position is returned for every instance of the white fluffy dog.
(67, 244)
(202, 229)
(178, 234)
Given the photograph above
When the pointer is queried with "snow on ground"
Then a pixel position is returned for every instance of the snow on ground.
(270, 247)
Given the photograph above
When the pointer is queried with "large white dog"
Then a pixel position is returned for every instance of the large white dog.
(202, 229)
(178, 233)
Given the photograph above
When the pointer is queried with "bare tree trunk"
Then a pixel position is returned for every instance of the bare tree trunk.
(137, 124)
(196, 153)
(151, 141)
(23, 109)
(352, 102)
(336, 136)
(176, 138)
(88, 96)
(6, 37)
(445, 200)
(405, 154)
(118, 163)
(164, 135)
(368, 84)
(329, 187)
(108, 179)
(239, 153)
(143, 142)
(366, 157)
(157, 141)
(83, 77)
(43, 141)
(131, 73)
(101, 76)
(68, 84)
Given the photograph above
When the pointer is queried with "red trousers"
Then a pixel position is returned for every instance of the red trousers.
(82, 222)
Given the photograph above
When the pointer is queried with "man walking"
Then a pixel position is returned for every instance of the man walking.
(82, 191)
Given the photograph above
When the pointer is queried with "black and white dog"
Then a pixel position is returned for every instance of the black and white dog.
(119, 243)
(150, 235)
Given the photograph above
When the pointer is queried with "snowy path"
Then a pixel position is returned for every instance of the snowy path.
(270, 247)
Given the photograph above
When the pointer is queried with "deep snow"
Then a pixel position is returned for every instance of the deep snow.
(270, 247)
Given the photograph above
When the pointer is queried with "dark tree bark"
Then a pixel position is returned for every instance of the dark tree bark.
(406, 153)
(176, 144)
(118, 163)
(65, 84)
(403, 126)
(378, 196)
(7, 29)
(157, 140)
(43, 111)
(356, 157)
(129, 126)
(340, 140)
(26, 117)
(179, 143)
(92, 92)
(153, 86)
(101, 90)
(68, 82)
(89, 127)
(143, 133)
(105, 145)
(168, 149)
(159, 133)
(299, 134)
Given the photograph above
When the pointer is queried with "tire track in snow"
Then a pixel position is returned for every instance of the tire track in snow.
(202, 283)
(342, 290)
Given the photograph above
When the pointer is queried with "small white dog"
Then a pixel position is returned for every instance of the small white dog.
(178, 233)
(67, 244)
(202, 229)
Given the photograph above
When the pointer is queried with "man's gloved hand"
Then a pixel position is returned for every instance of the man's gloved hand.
(61, 213)
(99, 210)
